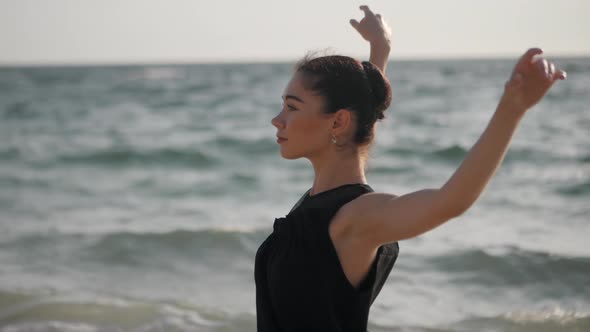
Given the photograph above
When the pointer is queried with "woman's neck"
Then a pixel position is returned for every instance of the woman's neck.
(337, 170)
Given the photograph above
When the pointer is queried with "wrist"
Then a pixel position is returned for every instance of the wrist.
(510, 111)
(381, 45)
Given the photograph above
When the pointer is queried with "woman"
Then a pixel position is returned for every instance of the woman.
(325, 262)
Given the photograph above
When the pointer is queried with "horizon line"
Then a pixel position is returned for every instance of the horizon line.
(260, 60)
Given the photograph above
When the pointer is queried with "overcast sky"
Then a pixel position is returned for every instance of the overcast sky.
(131, 31)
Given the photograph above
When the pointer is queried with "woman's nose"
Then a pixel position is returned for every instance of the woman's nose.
(277, 121)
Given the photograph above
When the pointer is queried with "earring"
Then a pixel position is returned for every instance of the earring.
(333, 139)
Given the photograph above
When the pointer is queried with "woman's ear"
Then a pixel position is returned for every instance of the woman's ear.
(342, 122)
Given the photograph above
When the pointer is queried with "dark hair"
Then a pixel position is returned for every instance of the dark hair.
(346, 83)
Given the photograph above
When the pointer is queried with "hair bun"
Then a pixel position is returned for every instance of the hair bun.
(380, 89)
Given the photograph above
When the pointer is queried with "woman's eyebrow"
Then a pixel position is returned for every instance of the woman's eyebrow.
(294, 97)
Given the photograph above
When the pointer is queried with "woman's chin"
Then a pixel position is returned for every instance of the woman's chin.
(289, 156)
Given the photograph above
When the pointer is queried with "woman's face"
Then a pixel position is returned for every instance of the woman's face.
(302, 129)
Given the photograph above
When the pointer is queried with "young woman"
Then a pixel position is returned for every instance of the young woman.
(326, 261)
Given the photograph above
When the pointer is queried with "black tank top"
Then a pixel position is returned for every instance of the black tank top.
(300, 284)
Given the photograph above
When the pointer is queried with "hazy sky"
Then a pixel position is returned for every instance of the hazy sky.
(127, 31)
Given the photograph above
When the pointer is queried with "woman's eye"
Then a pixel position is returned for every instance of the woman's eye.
(291, 107)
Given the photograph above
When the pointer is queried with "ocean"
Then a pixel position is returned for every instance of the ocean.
(134, 198)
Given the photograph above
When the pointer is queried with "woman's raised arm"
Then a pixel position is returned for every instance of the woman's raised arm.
(387, 218)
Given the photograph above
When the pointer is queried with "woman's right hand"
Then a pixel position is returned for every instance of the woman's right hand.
(372, 28)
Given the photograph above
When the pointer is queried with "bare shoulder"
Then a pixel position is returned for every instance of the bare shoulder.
(351, 219)
(363, 205)
(379, 218)
(368, 200)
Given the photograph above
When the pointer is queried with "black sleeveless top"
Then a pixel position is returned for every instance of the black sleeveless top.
(300, 284)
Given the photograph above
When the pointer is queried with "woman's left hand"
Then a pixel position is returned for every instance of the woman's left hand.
(373, 28)
(531, 79)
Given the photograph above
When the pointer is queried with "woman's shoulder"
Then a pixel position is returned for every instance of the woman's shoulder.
(366, 202)
(351, 217)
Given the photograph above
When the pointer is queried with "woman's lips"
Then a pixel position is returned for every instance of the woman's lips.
(281, 140)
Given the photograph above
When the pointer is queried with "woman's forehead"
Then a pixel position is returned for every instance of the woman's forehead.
(296, 88)
(295, 84)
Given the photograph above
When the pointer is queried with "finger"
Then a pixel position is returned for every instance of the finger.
(526, 59)
(543, 66)
(368, 12)
(355, 24)
(530, 54)
(561, 75)
(551, 70)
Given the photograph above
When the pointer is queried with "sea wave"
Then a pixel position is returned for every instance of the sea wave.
(21, 311)
(511, 266)
(9, 153)
(20, 110)
(127, 248)
(136, 249)
(450, 153)
(490, 267)
(52, 311)
(456, 153)
(577, 189)
(123, 156)
(259, 146)
(544, 320)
